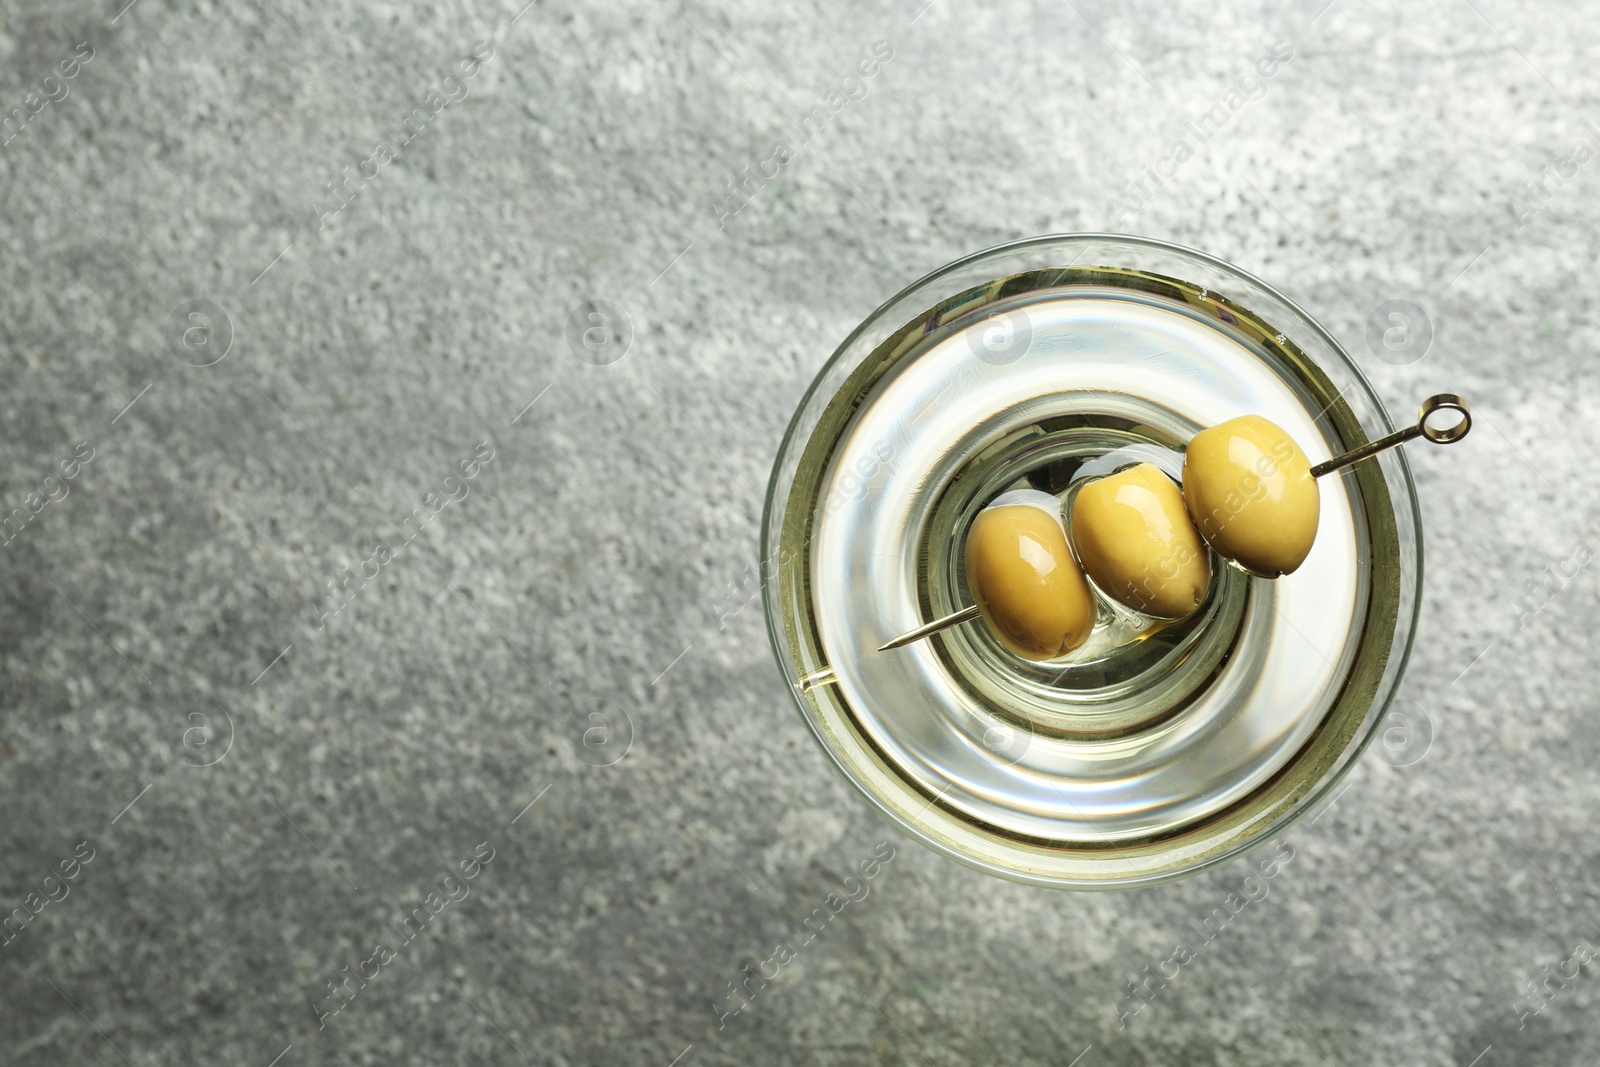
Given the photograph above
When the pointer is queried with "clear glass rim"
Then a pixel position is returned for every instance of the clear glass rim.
(1346, 760)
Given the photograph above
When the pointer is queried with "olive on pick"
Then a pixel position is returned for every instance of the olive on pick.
(1135, 540)
(1027, 585)
(1251, 493)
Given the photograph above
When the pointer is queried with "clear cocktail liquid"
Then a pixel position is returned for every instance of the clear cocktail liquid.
(1151, 729)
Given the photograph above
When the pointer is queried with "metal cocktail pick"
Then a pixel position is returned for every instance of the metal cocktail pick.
(1444, 436)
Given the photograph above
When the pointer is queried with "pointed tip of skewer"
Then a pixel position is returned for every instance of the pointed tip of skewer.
(931, 628)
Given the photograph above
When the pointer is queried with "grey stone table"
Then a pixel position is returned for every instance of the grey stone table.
(295, 297)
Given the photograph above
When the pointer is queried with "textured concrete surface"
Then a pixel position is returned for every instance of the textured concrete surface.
(264, 794)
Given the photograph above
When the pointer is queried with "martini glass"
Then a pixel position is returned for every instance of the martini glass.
(1157, 748)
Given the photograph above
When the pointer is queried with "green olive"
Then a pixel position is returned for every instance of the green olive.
(1137, 543)
(1250, 492)
(1025, 581)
